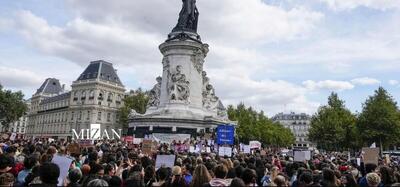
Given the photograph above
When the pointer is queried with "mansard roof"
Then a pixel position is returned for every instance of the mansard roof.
(57, 98)
(100, 70)
(50, 86)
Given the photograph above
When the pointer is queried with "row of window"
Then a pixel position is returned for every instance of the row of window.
(53, 105)
(82, 96)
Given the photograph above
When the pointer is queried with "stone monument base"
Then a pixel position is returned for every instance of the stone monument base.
(141, 126)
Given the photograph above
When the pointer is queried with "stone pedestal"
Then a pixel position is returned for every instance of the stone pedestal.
(183, 98)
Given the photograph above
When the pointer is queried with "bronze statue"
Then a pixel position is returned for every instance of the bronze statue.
(188, 17)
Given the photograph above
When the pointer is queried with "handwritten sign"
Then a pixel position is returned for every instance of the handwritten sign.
(225, 151)
(147, 147)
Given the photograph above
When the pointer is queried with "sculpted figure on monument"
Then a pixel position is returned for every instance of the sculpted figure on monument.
(179, 86)
(210, 100)
(154, 95)
(198, 60)
(188, 17)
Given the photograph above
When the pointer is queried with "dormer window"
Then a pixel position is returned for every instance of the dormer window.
(91, 95)
(100, 96)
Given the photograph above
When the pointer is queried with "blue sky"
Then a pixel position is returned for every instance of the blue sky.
(277, 56)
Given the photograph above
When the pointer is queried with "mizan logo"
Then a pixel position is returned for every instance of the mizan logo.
(95, 133)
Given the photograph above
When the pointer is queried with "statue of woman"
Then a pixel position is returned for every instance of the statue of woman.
(188, 17)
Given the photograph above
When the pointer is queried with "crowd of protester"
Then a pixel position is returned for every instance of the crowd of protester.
(113, 163)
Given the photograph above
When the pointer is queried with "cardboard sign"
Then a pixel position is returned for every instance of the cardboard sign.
(371, 155)
(74, 148)
(147, 147)
(13, 136)
(63, 163)
(165, 161)
(225, 151)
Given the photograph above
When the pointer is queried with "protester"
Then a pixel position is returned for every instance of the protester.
(115, 163)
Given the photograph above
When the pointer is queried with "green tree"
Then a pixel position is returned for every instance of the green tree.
(379, 120)
(253, 125)
(12, 106)
(333, 126)
(137, 100)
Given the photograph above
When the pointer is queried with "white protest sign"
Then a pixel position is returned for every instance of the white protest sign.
(358, 161)
(301, 156)
(255, 144)
(208, 150)
(137, 141)
(246, 149)
(165, 161)
(13, 136)
(225, 151)
(63, 163)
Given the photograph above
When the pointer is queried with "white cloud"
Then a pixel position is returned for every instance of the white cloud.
(393, 82)
(351, 4)
(19, 78)
(128, 33)
(365, 81)
(330, 85)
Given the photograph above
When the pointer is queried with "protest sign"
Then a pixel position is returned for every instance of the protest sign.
(13, 136)
(63, 163)
(128, 139)
(263, 153)
(208, 150)
(301, 156)
(165, 161)
(255, 145)
(147, 147)
(371, 155)
(192, 149)
(225, 134)
(358, 161)
(246, 149)
(225, 151)
(137, 141)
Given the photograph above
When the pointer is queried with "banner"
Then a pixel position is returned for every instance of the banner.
(128, 139)
(168, 138)
(225, 134)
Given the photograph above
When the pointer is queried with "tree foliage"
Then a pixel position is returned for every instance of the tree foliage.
(379, 120)
(333, 126)
(137, 100)
(253, 125)
(12, 106)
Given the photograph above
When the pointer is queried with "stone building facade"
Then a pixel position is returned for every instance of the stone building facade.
(299, 124)
(94, 99)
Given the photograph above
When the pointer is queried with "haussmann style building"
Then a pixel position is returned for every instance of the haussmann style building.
(299, 124)
(94, 98)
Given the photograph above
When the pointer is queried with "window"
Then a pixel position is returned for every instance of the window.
(80, 115)
(101, 94)
(108, 117)
(83, 95)
(88, 115)
(110, 97)
(99, 116)
(91, 95)
(72, 115)
(75, 95)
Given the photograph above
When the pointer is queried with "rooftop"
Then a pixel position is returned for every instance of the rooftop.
(100, 70)
(50, 86)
